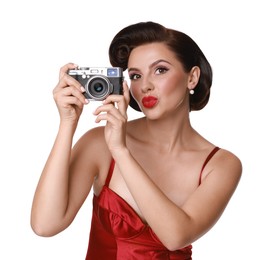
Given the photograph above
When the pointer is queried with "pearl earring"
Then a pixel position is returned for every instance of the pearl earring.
(192, 91)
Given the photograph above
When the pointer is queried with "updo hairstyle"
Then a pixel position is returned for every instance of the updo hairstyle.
(185, 49)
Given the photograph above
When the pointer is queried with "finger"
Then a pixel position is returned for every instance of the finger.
(70, 91)
(117, 101)
(71, 100)
(110, 110)
(64, 69)
(66, 81)
(68, 102)
(112, 119)
(76, 92)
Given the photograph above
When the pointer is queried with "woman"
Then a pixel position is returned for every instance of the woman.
(158, 184)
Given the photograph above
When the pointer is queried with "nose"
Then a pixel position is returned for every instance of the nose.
(147, 85)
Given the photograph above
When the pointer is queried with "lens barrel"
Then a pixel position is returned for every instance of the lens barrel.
(98, 87)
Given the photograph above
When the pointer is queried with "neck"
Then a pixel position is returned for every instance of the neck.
(169, 134)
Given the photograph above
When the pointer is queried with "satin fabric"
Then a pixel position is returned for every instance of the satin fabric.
(118, 233)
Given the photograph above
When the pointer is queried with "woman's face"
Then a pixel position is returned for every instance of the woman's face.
(158, 81)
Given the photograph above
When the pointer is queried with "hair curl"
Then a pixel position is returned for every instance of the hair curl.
(185, 48)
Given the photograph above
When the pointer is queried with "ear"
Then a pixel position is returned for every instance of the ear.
(193, 77)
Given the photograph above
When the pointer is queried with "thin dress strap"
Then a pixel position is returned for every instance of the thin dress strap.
(206, 161)
(110, 172)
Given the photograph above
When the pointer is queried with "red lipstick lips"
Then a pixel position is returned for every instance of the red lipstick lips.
(149, 101)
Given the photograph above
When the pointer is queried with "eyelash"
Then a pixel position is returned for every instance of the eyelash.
(132, 76)
(160, 70)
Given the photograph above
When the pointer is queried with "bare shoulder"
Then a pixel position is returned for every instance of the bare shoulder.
(91, 150)
(97, 134)
(228, 162)
(225, 169)
(221, 177)
(91, 139)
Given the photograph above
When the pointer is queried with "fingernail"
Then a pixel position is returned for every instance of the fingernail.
(82, 89)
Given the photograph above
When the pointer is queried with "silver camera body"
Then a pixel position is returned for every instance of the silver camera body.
(99, 82)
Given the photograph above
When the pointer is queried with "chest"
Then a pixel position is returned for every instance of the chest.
(176, 178)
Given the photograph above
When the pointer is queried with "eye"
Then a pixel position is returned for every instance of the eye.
(161, 70)
(134, 76)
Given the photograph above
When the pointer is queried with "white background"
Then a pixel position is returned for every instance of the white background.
(238, 38)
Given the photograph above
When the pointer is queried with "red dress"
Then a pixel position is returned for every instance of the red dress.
(118, 233)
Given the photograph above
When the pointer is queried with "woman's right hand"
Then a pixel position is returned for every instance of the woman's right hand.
(68, 95)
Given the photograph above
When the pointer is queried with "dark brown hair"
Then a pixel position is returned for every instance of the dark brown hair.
(185, 48)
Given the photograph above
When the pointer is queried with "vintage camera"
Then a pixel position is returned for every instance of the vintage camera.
(99, 82)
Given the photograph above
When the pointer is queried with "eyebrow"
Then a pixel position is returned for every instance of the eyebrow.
(152, 65)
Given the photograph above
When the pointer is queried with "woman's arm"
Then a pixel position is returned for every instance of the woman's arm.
(57, 197)
(176, 226)
(66, 180)
(50, 202)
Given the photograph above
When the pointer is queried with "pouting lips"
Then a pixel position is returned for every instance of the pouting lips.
(149, 102)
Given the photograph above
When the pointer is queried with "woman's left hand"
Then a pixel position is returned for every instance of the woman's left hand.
(114, 112)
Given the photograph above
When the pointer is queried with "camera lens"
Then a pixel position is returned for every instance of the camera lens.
(98, 88)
